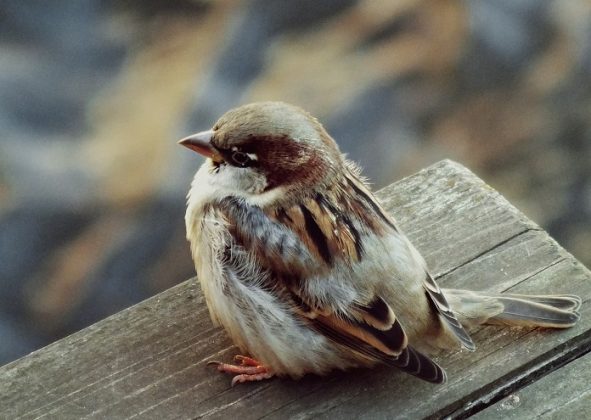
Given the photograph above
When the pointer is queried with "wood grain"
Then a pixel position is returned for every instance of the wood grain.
(149, 361)
(564, 393)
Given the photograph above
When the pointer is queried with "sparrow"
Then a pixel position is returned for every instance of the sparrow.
(304, 269)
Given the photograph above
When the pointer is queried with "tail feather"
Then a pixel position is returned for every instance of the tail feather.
(557, 312)
(565, 302)
(552, 311)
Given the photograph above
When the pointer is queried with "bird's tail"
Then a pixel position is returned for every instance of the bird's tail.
(475, 308)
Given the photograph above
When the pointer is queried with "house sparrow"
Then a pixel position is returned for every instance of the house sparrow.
(305, 270)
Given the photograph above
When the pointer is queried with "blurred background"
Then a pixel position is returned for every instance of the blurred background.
(94, 94)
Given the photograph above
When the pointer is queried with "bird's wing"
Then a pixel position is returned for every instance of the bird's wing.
(304, 241)
(434, 293)
(374, 332)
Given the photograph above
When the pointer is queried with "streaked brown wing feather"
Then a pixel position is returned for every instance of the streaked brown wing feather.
(324, 228)
(372, 331)
(387, 346)
(390, 342)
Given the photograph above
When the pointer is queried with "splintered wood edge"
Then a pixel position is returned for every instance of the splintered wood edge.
(93, 368)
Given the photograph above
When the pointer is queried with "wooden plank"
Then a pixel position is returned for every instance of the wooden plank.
(564, 393)
(150, 361)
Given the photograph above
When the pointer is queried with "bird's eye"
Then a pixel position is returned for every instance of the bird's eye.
(240, 158)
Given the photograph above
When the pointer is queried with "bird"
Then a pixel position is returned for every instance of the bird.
(305, 270)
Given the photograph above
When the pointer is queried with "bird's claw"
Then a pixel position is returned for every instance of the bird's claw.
(248, 370)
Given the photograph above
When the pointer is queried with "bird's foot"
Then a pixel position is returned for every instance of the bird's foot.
(249, 370)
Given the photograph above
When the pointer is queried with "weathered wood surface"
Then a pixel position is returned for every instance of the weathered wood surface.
(150, 361)
(562, 394)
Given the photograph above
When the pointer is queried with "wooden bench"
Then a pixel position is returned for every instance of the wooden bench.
(149, 361)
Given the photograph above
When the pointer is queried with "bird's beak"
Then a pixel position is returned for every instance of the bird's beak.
(201, 143)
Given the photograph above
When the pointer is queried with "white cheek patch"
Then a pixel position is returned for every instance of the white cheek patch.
(210, 184)
(266, 198)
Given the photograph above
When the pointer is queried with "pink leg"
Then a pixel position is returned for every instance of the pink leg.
(249, 370)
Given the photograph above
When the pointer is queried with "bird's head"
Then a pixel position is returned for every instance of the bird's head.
(265, 146)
